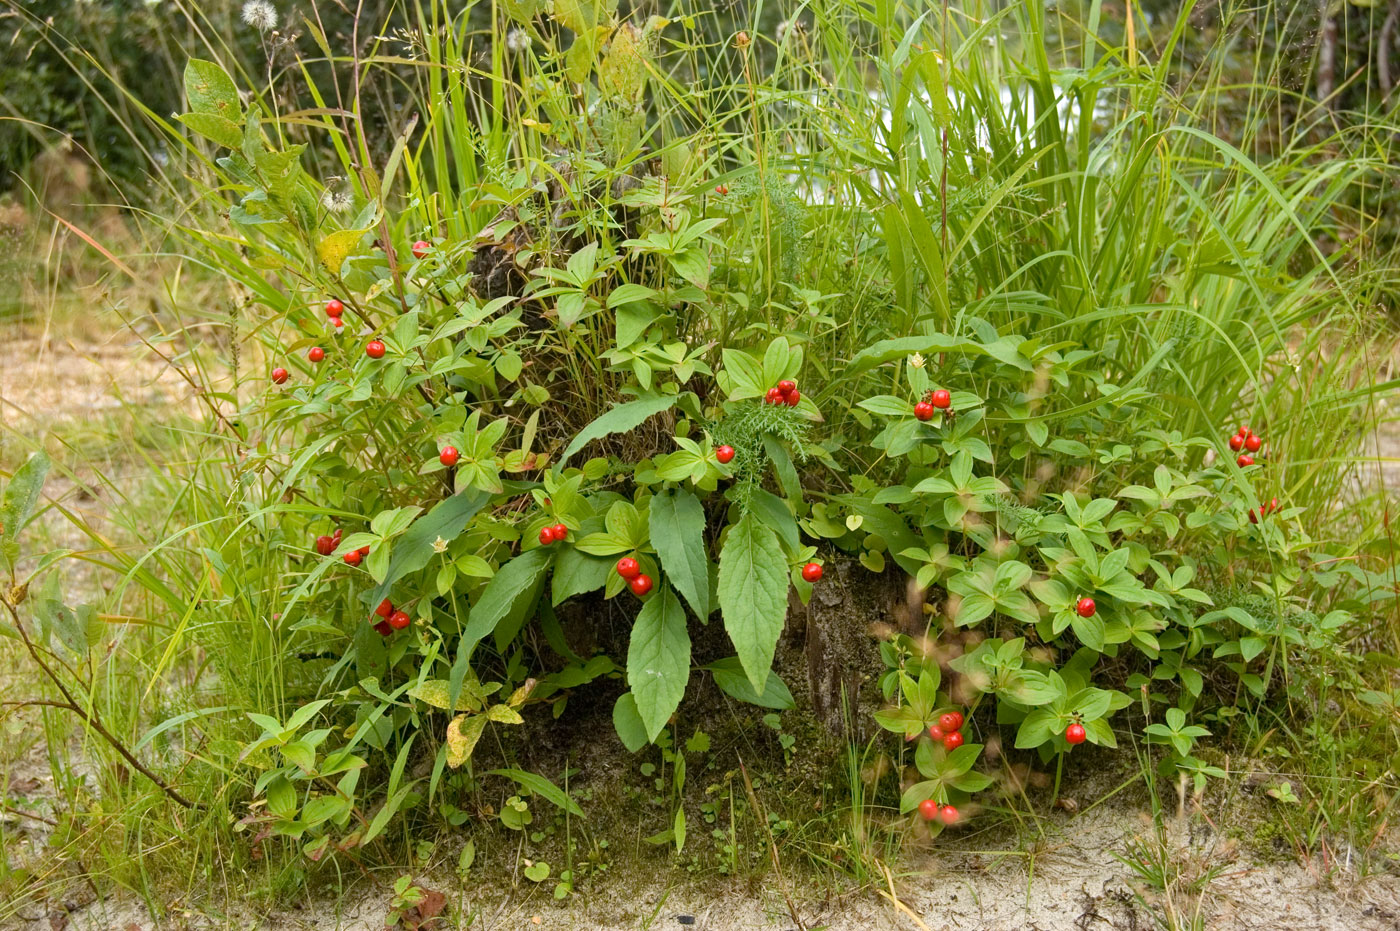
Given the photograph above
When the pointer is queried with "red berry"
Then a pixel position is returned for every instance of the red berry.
(449, 456)
(793, 398)
(787, 386)
(1085, 607)
(339, 323)
(399, 620)
(628, 568)
(336, 536)
(1245, 459)
(951, 721)
(936, 733)
(928, 809)
(386, 608)
(1236, 442)
(725, 454)
(315, 354)
(363, 551)
(383, 629)
(546, 536)
(560, 532)
(953, 741)
(374, 349)
(923, 410)
(1075, 733)
(1252, 443)
(325, 545)
(941, 399)
(279, 375)
(812, 572)
(1273, 504)
(721, 189)
(1242, 431)
(1254, 515)
(774, 396)
(353, 557)
(949, 814)
(334, 308)
(421, 248)
(640, 585)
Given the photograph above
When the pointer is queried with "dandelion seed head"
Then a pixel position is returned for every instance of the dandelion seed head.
(337, 201)
(517, 40)
(260, 15)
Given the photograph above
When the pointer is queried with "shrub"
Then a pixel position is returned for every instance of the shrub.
(586, 280)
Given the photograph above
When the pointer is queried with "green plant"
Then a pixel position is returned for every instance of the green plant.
(1019, 327)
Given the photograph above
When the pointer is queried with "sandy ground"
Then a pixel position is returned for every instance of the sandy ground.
(1079, 884)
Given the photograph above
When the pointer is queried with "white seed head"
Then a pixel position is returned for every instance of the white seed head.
(260, 15)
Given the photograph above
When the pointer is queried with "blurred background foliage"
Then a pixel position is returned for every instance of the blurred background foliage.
(1326, 63)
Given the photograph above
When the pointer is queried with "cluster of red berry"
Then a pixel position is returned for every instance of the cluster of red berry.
(1247, 440)
(389, 619)
(1264, 510)
(553, 534)
(929, 810)
(784, 392)
(325, 545)
(637, 580)
(334, 308)
(939, 399)
(948, 730)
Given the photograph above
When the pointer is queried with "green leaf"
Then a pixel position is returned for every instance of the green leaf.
(729, 676)
(501, 598)
(658, 660)
(753, 585)
(215, 128)
(414, 549)
(678, 535)
(619, 419)
(17, 506)
(628, 723)
(541, 787)
(212, 91)
(576, 572)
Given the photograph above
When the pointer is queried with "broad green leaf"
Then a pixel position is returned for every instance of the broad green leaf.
(628, 723)
(753, 584)
(619, 419)
(210, 90)
(576, 572)
(415, 548)
(729, 676)
(502, 597)
(658, 660)
(21, 497)
(215, 128)
(678, 535)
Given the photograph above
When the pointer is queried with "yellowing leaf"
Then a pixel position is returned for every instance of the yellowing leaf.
(504, 714)
(334, 248)
(462, 734)
(435, 691)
